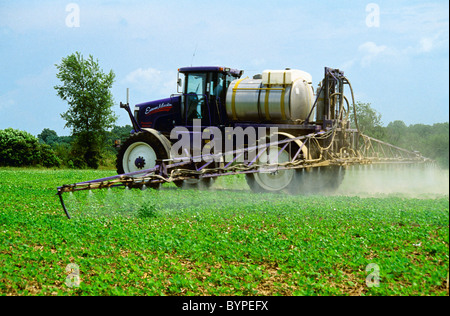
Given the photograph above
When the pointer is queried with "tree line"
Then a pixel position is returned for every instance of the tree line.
(432, 141)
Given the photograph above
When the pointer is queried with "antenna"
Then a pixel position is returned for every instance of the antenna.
(128, 95)
(193, 55)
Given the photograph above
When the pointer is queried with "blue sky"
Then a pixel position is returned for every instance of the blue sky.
(399, 65)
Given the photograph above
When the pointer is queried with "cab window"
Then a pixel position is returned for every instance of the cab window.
(195, 96)
(217, 85)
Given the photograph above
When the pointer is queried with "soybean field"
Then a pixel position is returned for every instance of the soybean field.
(225, 241)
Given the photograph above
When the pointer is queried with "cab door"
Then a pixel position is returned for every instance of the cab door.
(195, 98)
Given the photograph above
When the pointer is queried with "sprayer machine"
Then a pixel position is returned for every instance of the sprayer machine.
(274, 128)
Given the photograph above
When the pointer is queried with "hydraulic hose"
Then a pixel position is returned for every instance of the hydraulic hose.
(354, 105)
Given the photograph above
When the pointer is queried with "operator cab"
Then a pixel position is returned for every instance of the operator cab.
(203, 91)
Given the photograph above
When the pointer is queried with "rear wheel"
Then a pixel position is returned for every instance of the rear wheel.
(270, 179)
(319, 180)
(140, 152)
(333, 177)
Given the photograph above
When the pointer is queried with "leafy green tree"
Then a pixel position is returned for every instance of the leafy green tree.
(395, 132)
(120, 134)
(116, 136)
(369, 120)
(439, 144)
(431, 141)
(87, 89)
(48, 136)
(60, 145)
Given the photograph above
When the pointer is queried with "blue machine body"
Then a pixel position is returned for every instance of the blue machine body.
(163, 115)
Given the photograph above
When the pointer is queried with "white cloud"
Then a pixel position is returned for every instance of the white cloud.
(371, 51)
(425, 25)
(143, 76)
(367, 54)
(370, 48)
(152, 81)
(347, 64)
(415, 30)
(431, 43)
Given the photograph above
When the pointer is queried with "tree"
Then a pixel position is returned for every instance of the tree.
(86, 88)
(395, 132)
(119, 133)
(48, 136)
(369, 120)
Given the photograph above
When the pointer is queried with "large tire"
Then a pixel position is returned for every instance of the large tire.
(197, 183)
(322, 180)
(335, 176)
(140, 152)
(319, 180)
(267, 180)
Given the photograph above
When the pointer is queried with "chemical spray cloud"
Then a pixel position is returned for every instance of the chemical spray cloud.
(211, 144)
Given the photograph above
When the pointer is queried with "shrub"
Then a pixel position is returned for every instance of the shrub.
(19, 148)
(48, 157)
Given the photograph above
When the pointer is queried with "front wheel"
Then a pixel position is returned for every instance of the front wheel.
(197, 182)
(204, 183)
(140, 152)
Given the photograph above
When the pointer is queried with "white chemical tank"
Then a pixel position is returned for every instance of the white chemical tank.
(280, 96)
